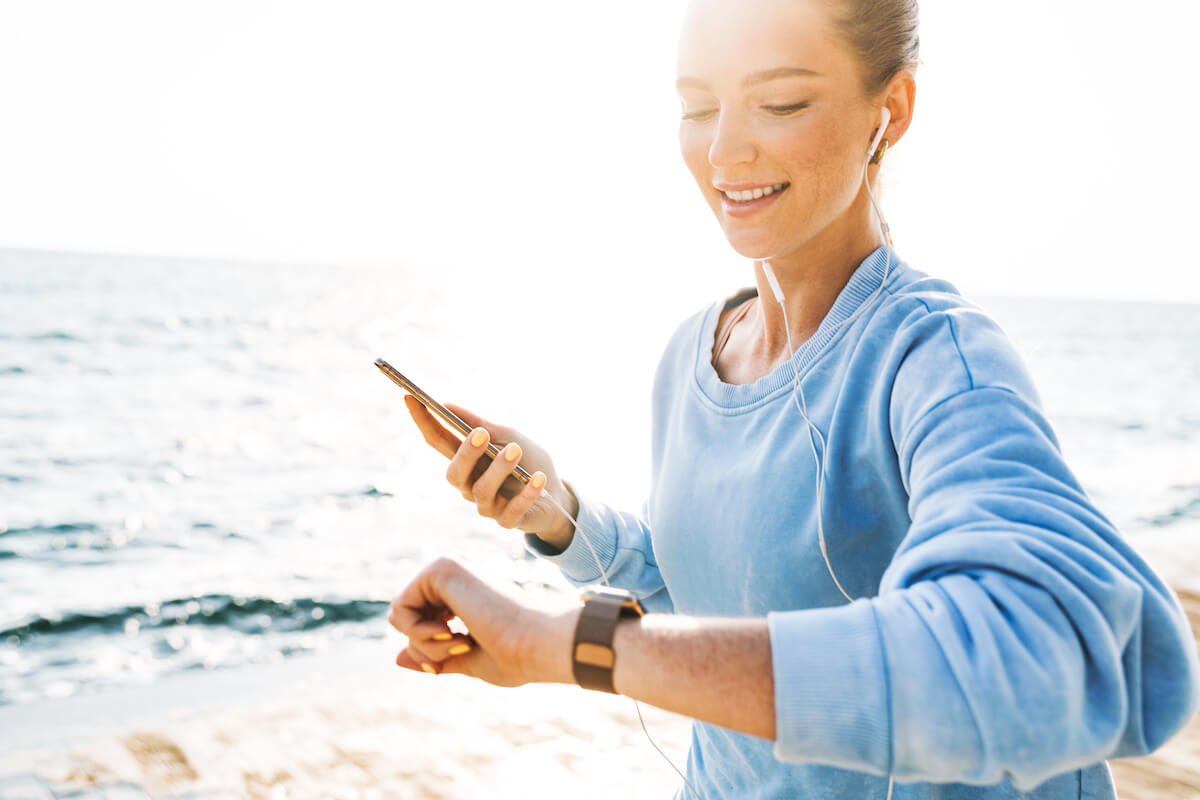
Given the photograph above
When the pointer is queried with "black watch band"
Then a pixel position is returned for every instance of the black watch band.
(592, 652)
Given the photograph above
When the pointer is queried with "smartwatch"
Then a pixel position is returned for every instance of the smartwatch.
(592, 652)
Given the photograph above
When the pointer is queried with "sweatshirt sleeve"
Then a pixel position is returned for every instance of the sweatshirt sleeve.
(1015, 634)
(620, 542)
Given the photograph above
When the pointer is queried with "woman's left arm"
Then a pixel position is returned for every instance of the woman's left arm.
(1015, 635)
(713, 669)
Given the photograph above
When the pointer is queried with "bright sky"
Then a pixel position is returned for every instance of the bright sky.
(1053, 150)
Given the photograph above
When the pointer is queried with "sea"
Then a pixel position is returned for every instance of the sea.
(201, 469)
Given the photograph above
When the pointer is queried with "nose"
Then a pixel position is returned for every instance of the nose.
(733, 142)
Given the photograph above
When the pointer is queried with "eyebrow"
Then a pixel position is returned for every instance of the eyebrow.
(750, 80)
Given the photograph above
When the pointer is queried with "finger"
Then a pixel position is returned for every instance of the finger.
(422, 599)
(402, 616)
(435, 629)
(438, 651)
(473, 419)
(405, 658)
(464, 465)
(519, 506)
(488, 485)
(424, 660)
(457, 665)
(413, 607)
(434, 433)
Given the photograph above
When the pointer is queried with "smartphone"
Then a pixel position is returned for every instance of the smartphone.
(493, 450)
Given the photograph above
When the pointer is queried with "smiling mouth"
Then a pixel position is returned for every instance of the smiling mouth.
(750, 195)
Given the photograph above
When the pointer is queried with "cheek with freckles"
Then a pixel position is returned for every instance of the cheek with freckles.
(816, 160)
(814, 152)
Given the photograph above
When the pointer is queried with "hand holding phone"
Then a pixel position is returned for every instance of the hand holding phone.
(502, 490)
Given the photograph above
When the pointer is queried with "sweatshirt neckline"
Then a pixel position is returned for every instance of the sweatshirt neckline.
(730, 397)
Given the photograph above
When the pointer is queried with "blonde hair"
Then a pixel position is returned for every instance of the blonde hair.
(883, 34)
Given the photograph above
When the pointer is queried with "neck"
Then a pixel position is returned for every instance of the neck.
(811, 280)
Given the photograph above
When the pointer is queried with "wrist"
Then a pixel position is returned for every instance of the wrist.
(554, 659)
(606, 612)
(562, 536)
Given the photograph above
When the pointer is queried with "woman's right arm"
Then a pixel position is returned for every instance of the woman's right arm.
(614, 546)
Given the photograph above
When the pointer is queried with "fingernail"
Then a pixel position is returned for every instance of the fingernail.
(459, 649)
(538, 480)
(443, 637)
(428, 668)
(478, 437)
(512, 453)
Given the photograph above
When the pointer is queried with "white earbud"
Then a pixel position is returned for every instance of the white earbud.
(774, 283)
(887, 117)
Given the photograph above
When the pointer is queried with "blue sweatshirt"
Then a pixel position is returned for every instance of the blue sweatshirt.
(1004, 639)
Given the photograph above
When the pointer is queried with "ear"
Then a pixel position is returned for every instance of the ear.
(898, 97)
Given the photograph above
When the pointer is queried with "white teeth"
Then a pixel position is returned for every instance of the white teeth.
(755, 194)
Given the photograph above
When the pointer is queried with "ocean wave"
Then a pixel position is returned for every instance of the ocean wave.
(54, 336)
(1187, 511)
(245, 614)
(62, 527)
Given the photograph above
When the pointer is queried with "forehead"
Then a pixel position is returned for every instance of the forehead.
(724, 40)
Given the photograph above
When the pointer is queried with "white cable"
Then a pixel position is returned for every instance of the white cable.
(604, 577)
(802, 403)
(802, 406)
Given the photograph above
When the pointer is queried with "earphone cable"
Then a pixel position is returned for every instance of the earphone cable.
(604, 577)
(802, 407)
(802, 403)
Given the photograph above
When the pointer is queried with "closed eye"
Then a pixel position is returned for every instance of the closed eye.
(782, 110)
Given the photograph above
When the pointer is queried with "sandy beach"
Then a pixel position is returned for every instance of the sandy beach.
(350, 725)
(392, 734)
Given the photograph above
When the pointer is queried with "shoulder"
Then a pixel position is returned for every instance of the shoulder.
(677, 356)
(938, 344)
(684, 340)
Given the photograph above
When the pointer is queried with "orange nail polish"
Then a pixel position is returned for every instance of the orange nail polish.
(513, 452)
(428, 668)
(478, 438)
(459, 649)
(443, 637)
(538, 480)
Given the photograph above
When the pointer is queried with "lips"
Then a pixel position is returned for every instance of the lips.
(760, 197)
(748, 194)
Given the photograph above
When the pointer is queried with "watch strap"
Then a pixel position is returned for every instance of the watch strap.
(592, 652)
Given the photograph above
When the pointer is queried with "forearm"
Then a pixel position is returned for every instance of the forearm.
(714, 670)
(610, 546)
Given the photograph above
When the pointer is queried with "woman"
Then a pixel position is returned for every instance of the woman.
(1002, 637)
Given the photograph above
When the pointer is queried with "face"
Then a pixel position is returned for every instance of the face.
(772, 104)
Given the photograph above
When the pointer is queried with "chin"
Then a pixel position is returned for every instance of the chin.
(756, 247)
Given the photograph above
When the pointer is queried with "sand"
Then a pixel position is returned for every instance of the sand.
(350, 725)
(332, 728)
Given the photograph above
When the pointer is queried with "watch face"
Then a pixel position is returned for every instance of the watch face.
(607, 591)
(626, 599)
